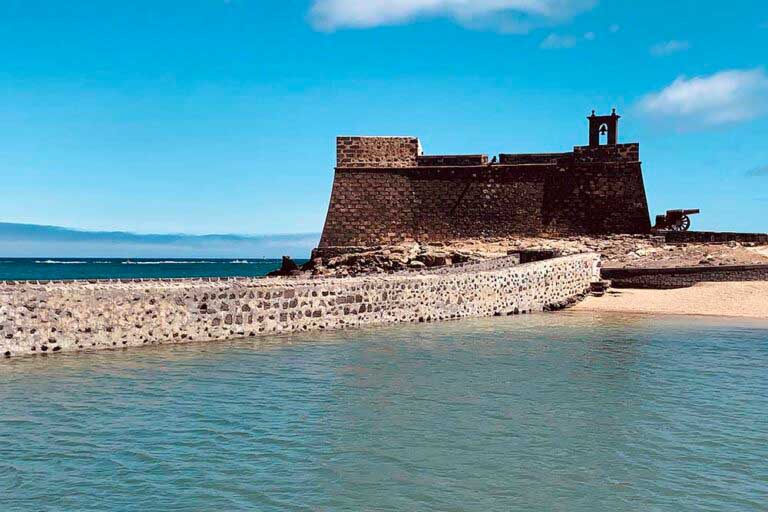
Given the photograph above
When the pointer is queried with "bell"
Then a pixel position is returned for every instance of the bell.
(603, 130)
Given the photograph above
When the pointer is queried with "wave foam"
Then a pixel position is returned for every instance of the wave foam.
(58, 262)
(167, 262)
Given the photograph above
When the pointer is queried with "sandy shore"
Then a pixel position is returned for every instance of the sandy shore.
(742, 299)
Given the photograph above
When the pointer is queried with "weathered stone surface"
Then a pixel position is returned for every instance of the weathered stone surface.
(107, 314)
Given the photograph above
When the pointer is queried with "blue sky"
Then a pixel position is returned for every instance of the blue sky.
(219, 116)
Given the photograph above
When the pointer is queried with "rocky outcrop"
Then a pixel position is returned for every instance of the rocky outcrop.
(287, 268)
(630, 251)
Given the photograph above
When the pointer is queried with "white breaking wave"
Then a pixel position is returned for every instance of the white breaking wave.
(168, 262)
(57, 262)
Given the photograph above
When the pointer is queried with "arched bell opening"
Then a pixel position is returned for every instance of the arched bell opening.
(603, 130)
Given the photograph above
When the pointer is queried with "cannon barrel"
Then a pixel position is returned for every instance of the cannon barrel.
(683, 212)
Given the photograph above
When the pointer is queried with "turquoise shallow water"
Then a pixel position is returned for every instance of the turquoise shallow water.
(569, 412)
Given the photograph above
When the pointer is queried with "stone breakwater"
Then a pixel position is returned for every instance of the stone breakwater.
(88, 315)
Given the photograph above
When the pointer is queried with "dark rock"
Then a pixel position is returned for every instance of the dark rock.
(288, 268)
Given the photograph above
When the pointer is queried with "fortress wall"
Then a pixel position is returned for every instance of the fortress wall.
(597, 198)
(534, 158)
(616, 153)
(82, 315)
(381, 206)
(451, 160)
(493, 201)
(384, 206)
(377, 151)
(386, 192)
(369, 205)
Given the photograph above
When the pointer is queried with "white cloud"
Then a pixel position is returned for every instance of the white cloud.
(725, 97)
(505, 15)
(669, 47)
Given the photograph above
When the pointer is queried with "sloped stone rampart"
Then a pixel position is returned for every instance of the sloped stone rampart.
(386, 192)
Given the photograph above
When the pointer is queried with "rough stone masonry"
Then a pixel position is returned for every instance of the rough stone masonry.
(385, 191)
(43, 318)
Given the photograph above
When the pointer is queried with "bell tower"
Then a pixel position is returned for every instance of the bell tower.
(603, 125)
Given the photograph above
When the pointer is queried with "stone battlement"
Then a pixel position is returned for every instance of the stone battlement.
(377, 151)
(386, 191)
(405, 152)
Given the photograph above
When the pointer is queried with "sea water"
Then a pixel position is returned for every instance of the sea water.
(566, 412)
(125, 268)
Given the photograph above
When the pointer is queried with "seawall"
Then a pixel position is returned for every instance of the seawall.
(682, 277)
(714, 237)
(89, 315)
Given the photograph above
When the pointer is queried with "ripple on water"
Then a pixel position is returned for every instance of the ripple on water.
(546, 412)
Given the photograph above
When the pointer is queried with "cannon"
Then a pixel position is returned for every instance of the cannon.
(675, 220)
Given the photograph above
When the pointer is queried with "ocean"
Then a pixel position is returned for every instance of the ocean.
(568, 411)
(133, 268)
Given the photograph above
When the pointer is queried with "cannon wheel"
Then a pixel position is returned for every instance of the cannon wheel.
(684, 224)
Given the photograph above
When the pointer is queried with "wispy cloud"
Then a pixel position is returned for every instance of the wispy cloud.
(726, 97)
(758, 171)
(505, 15)
(669, 47)
(558, 42)
(31, 240)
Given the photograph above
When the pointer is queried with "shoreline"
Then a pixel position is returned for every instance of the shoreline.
(736, 299)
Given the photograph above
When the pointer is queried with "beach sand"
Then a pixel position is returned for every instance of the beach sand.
(735, 299)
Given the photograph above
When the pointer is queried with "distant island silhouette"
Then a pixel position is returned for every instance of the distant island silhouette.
(33, 240)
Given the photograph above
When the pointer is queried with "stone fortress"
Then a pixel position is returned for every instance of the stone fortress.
(387, 191)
